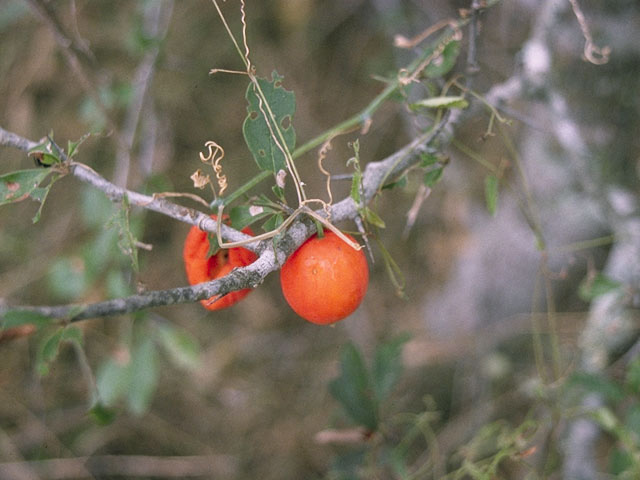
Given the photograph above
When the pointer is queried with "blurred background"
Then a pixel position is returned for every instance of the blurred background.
(243, 392)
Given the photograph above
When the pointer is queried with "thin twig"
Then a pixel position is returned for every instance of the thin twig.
(73, 57)
(157, 14)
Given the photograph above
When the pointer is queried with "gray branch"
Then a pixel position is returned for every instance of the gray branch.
(269, 259)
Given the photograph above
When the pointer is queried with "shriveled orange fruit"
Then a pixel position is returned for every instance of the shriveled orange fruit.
(201, 268)
(325, 280)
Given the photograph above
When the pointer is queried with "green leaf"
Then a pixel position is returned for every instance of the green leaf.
(592, 287)
(442, 64)
(102, 414)
(16, 318)
(394, 272)
(67, 278)
(22, 184)
(428, 159)
(442, 102)
(606, 418)
(620, 461)
(72, 334)
(632, 379)
(259, 128)
(40, 195)
(273, 222)
(96, 208)
(117, 285)
(45, 154)
(356, 181)
(214, 247)
(353, 389)
(112, 381)
(127, 242)
(632, 418)
(372, 218)
(491, 193)
(387, 366)
(48, 351)
(400, 183)
(433, 176)
(181, 346)
(98, 253)
(244, 215)
(356, 185)
(72, 147)
(278, 192)
(594, 383)
(144, 376)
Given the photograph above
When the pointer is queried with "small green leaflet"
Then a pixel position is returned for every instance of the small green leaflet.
(143, 376)
(372, 217)
(134, 381)
(387, 366)
(427, 159)
(259, 134)
(45, 154)
(127, 242)
(356, 182)
(441, 102)
(19, 185)
(592, 287)
(432, 177)
(244, 215)
(182, 347)
(354, 389)
(273, 222)
(442, 64)
(491, 193)
(49, 349)
(356, 185)
(72, 147)
(101, 414)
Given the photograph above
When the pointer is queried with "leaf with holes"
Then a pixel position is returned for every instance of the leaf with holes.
(22, 184)
(269, 122)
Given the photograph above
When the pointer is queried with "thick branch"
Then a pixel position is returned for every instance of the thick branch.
(375, 175)
(115, 193)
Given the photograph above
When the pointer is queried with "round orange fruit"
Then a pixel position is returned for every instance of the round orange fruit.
(201, 268)
(325, 280)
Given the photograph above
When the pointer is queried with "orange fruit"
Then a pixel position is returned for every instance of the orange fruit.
(201, 268)
(325, 280)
